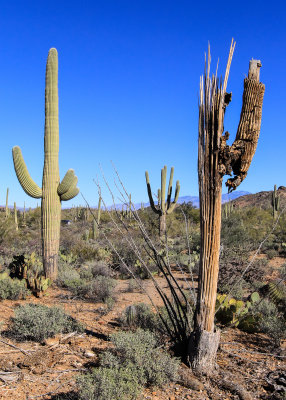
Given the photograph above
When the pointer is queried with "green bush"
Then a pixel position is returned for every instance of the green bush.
(271, 253)
(272, 322)
(110, 384)
(13, 289)
(38, 322)
(67, 274)
(98, 289)
(141, 317)
(141, 348)
(134, 362)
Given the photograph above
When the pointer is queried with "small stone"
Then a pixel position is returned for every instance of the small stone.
(51, 341)
(89, 354)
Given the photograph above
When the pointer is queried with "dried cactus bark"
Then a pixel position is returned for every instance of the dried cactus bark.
(52, 191)
(215, 159)
(164, 207)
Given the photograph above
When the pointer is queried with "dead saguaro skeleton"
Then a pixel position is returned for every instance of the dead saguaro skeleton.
(215, 159)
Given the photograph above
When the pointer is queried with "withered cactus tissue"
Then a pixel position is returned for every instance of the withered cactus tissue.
(215, 159)
(52, 192)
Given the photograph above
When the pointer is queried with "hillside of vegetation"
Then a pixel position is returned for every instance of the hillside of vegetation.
(262, 199)
(96, 332)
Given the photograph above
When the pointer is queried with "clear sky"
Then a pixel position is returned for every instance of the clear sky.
(128, 87)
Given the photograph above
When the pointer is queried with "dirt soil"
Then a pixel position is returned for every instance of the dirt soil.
(247, 365)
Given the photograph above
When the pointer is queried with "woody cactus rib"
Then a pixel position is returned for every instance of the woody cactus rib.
(164, 207)
(216, 159)
(52, 192)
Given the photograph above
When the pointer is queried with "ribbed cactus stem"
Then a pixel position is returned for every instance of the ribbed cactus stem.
(7, 211)
(163, 188)
(15, 216)
(159, 198)
(99, 210)
(52, 191)
(164, 207)
(51, 202)
(275, 202)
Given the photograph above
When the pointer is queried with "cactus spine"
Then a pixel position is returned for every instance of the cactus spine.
(164, 207)
(7, 211)
(52, 191)
(275, 202)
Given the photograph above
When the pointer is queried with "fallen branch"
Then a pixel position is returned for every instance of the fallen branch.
(15, 347)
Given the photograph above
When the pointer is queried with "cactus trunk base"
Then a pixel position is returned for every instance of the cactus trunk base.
(202, 351)
(162, 225)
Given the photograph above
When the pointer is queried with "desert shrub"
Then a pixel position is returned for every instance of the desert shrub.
(85, 252)
(133, 286)
(110, 384)
(67, 274)
(100, 268)
(271, 253)
(272, 322)
(13, 289)
(233, 262)
(139, 316)
(134, 362)
(38, 322)
(99, 289)
(141, 349)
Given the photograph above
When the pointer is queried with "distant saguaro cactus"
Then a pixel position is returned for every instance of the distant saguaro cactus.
(16, 216)
(53, 191)
(164, 207)
(275, 202)
(216, 159)
(7, 211)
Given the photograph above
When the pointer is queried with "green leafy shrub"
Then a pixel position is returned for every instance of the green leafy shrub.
(271, 253)
(38, 322)
(141, 348)
(110, 384)
(98, 289)
(133, 286)
(135, 361)
(12, 289)
(272, 322)
(139, 316)
(67, 274)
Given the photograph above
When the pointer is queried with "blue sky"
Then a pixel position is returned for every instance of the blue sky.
(128, 87)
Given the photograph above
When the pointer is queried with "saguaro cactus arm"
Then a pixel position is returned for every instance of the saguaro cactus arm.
(238, 157)
(170, 187)
(69, 181)
(150, 194)
(70, 194)
(27, 183)
(173, 204)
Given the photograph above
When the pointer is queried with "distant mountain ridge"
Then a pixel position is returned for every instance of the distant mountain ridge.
(194, 199)
(183, 199)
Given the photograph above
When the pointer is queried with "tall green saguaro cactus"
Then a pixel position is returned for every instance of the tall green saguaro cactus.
(275, 202)
(53, 191)
(164, 207)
